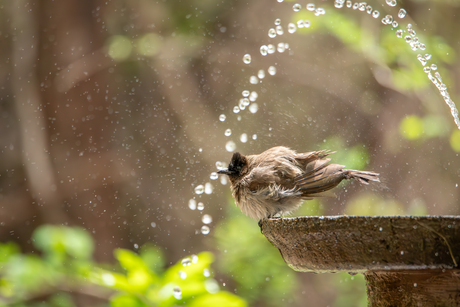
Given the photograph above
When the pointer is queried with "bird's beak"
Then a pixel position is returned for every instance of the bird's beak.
(224, 171)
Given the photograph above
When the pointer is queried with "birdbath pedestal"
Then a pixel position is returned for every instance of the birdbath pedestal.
(406, 261)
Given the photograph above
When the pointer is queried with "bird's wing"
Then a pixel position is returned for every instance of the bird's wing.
(319, 176)
(261, 177)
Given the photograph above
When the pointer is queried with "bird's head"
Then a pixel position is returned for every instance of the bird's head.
(237, 167)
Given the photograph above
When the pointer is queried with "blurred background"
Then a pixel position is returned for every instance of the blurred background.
(110, 120)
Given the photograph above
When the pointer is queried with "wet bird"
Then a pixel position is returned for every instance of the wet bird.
(279, 180)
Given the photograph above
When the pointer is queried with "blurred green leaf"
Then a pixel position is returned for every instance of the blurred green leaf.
(126, 300)
(221, 299)
(455, 140)
(153, 257)
(253, 263)
(119, 47)
(411, 127)
(367, 203)
(352, 290)
(7, 250)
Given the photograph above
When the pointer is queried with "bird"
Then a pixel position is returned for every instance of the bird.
(279, 180)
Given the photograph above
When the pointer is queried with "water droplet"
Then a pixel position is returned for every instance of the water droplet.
(320, 11)
(311, 7)
(394, 24)
(261, 74)
(222, 117)
(206, 219)
(426, 69)
(264, 50)
(208, 188)
(177, 293)
(338, 5)
(182, 274)
(200, 206)
(391, 2)
(277, 22)
(296, 7)
(434, 67)
(292, 28)
(242, 103)
(402, 252)
(253, 96)
(415, 284)
(272, 70)
(153, 224)
(411, 32)
(108, 279)
(279, 30)
(362, 6)
(280, 47)
(422, 46)
(253, 80)
(199, 189)
(408, 38)
(192, 204)
(205, 229)
(228, 132)
(214, 176)
(230, 146)
(355, 5)
(369, 9)
(254, 136)
(223, 180)
(206, 272)
(375, 14)
(271, 49)
(247, 58)
(186, 261)
(220, 165)
(399, 33)
(272, 33)
(402, 13)
(244, 138)
(245, 93)
(194, 258)
(236, 109)
(349, 3)
(421, 59)
(300, 24)
(253, 108)
(438, 76)
(380, 229)
(388, 19)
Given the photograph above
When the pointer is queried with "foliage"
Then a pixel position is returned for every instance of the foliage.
(66, 266)
(256, 266)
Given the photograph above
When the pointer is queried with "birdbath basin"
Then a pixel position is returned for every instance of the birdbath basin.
(406, 261)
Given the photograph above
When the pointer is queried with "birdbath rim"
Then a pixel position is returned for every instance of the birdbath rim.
(365, 243)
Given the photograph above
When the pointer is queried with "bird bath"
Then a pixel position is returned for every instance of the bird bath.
(406, 261)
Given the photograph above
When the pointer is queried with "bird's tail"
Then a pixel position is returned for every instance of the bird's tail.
(362, 176)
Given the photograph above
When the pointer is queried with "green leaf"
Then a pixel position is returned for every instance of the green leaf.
(129, 260)
(153, 258)
(455, 140)
(7, 250)
(126, 300)
(221, 299)
(411, 127)
(74, 241)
